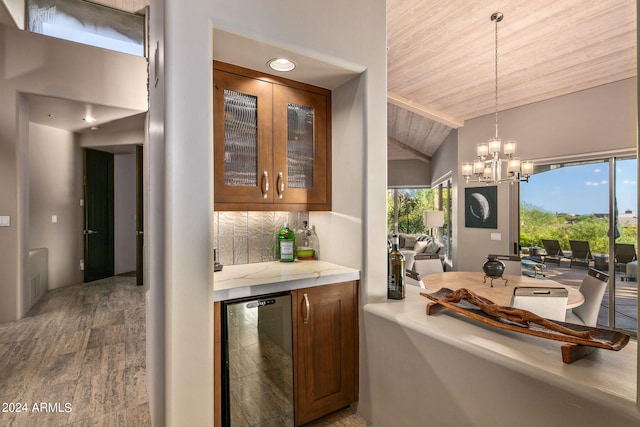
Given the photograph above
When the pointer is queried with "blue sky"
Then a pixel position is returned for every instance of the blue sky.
(582, 189)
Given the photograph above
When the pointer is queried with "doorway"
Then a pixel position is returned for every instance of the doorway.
(98, 215)
(113, 236)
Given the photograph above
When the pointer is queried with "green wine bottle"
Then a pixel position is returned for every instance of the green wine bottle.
(396, 272)
(286, 244)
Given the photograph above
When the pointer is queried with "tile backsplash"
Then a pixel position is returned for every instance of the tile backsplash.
(248, 237)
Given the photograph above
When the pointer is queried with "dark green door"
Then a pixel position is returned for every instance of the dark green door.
(99, 215)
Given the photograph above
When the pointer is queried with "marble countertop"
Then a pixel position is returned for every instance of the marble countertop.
(245, 280)
(608, 374)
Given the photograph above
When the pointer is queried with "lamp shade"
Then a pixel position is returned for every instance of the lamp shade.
(433, 219)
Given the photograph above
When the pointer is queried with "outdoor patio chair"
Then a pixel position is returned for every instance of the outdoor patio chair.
(625, 253)
(580, 253)
(512, 263)
(553, 250)
(592, 287)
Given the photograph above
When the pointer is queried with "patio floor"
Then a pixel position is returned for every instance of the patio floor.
(626, 307)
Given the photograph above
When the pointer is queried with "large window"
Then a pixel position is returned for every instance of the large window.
(405, 211)
(405, 208)
(576, 201)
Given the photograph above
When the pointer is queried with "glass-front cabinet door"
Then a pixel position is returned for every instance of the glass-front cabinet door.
(242, 139)
(300, 146)
(272, 142)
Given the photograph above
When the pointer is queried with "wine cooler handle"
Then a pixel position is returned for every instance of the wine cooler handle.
(306, 303)
(265, 180)
(280, 185)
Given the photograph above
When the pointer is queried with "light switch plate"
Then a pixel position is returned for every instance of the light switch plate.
(5, 221)
(496, 236)
(54, 218)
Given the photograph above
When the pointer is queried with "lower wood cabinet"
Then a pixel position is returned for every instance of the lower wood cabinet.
(325, 342)
(325, 351)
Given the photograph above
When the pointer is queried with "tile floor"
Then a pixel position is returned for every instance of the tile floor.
(77, 358)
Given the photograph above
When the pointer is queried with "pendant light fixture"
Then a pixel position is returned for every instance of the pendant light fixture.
(488, 167)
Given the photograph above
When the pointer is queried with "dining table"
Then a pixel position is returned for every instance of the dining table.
(501, 291)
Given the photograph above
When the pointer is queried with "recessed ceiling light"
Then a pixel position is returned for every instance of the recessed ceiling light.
(281, 64)
(89, 119)
(95, 128)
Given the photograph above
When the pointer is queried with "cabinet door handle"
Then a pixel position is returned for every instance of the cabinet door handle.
(306, 303)
(265, 181)
(280, 185)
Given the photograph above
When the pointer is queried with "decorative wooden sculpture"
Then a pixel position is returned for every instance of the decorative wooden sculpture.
(583, 339)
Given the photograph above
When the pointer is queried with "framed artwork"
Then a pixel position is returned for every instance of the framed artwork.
(481, 207)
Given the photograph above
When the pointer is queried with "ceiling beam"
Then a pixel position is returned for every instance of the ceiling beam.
(419, 155)
(424, 111)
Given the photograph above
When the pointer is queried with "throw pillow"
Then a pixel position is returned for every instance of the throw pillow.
(434, 247)
(409, 242)
(420, 246)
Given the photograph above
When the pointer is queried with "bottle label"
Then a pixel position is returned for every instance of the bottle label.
(286, 249)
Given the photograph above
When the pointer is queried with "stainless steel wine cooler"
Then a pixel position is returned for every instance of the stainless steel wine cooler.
(257, 365)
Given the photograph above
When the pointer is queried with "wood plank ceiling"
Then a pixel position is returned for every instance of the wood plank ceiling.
(441, 57)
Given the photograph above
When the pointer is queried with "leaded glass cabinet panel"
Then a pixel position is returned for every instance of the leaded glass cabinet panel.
(271, 142)
(242, 138)
(301, 146)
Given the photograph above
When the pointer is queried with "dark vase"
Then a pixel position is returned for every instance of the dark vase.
(493, 268)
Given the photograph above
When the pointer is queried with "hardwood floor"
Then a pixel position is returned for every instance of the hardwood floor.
(77, 358)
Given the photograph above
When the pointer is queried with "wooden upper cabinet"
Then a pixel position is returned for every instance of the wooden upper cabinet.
(242, 138)
(272, 146)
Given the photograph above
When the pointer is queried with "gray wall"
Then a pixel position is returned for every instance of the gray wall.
(445, 159)
(408, 174)
(598, 120)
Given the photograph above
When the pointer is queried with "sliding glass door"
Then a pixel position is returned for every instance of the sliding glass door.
(584, 201)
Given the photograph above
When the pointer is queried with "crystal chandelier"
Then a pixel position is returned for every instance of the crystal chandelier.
(488, 167)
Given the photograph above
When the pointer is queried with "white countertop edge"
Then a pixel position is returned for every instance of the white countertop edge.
(247, 280)
(525, 354)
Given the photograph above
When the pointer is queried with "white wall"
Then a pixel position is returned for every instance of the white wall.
(55, 188)
(58, 68)
(16, 9)
(183, 96)
(591, 121)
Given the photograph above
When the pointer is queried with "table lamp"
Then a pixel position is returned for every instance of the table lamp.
(433, 219)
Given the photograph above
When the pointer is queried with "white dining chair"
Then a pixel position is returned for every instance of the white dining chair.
(512, 263)
(412, 279)
(593, 286)
(428, 266)
(550, 303)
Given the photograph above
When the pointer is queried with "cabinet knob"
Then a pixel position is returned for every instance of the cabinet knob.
(265, 184)
(280, 185)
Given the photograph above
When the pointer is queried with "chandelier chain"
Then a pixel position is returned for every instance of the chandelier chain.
(496, 79)
(489, 165)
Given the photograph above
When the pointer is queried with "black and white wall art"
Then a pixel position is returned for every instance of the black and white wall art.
(480, 207)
